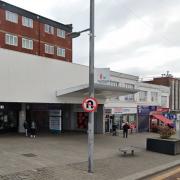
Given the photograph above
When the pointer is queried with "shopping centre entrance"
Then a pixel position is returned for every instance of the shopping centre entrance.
(49, 118)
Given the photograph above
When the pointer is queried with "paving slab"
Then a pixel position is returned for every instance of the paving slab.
(64, 157)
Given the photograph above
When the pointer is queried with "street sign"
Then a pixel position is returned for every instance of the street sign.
(89, 104)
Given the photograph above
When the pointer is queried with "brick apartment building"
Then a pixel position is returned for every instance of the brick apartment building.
(24, 31)
(174, 84)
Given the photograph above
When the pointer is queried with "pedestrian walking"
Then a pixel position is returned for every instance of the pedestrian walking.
(125, 130)
(114, 127)
(33, 129)
(26, 128)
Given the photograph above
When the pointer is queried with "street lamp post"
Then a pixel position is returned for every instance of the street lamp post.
(91, 84)
(91, 89)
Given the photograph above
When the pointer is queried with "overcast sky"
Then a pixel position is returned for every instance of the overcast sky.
(138, 37)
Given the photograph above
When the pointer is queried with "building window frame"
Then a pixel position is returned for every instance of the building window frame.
(129, 86)
(61, 52)
(61, 33)
(164, 101)
(12, 17)
(49, 49)
(48, 29)
(11, 39)
(143, 96)
(27, 22)
(27, 43)
(154, 96)
(129, 97)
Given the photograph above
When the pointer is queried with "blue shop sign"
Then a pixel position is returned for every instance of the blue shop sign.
(145, 110)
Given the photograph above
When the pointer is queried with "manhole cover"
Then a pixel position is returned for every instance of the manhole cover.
(29, 155)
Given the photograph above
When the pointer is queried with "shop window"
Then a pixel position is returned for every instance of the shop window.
(82, 120)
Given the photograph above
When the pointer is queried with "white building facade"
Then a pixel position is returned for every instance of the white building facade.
(124, 108)
(49, 92)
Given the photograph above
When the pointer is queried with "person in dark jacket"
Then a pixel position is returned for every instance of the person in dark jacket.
(114, 127)
(125, 130)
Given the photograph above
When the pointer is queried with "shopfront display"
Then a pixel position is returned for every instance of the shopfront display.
(9, 114)
(108, 120)
(82, 120)
(55, 120)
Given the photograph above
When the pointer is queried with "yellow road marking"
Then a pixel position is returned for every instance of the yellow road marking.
(163, 176)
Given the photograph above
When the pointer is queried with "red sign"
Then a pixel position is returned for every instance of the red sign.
(89, 104)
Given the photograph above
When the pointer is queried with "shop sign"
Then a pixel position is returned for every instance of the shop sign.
(123, 110)
(170, 116)
(145, 110)
(102, 75)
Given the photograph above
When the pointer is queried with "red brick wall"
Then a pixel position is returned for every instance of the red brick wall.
(38, 36)
(160, 81)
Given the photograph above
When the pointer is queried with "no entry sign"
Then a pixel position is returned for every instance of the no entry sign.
(89, 104)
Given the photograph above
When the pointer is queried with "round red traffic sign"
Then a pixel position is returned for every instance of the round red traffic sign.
(89, 104)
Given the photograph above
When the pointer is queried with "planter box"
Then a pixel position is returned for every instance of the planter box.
(166, 146)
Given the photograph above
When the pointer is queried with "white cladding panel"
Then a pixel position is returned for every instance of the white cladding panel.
(30, 78)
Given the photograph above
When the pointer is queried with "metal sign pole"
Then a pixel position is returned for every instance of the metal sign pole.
(91, 89)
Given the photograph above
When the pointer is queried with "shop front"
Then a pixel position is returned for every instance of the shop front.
(50, 93)
(125, 114)
(9, 115)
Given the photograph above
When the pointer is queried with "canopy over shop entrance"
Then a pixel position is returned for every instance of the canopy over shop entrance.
(162, 118)
(100, 91)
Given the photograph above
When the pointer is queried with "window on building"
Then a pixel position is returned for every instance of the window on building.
(114, 83)
(164, 101)
(27, 43)
(61, 33)
(12, 17)
(129, 97)
(154, 96)
(49, 49)
(11, 39)
(27, 22)
(48, 29)
(61, 52)
(143, 96)
(130, 86)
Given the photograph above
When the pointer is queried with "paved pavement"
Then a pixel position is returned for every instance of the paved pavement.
(64, 157)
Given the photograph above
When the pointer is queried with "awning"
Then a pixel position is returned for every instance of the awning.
(100, 91)
(162, 118)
